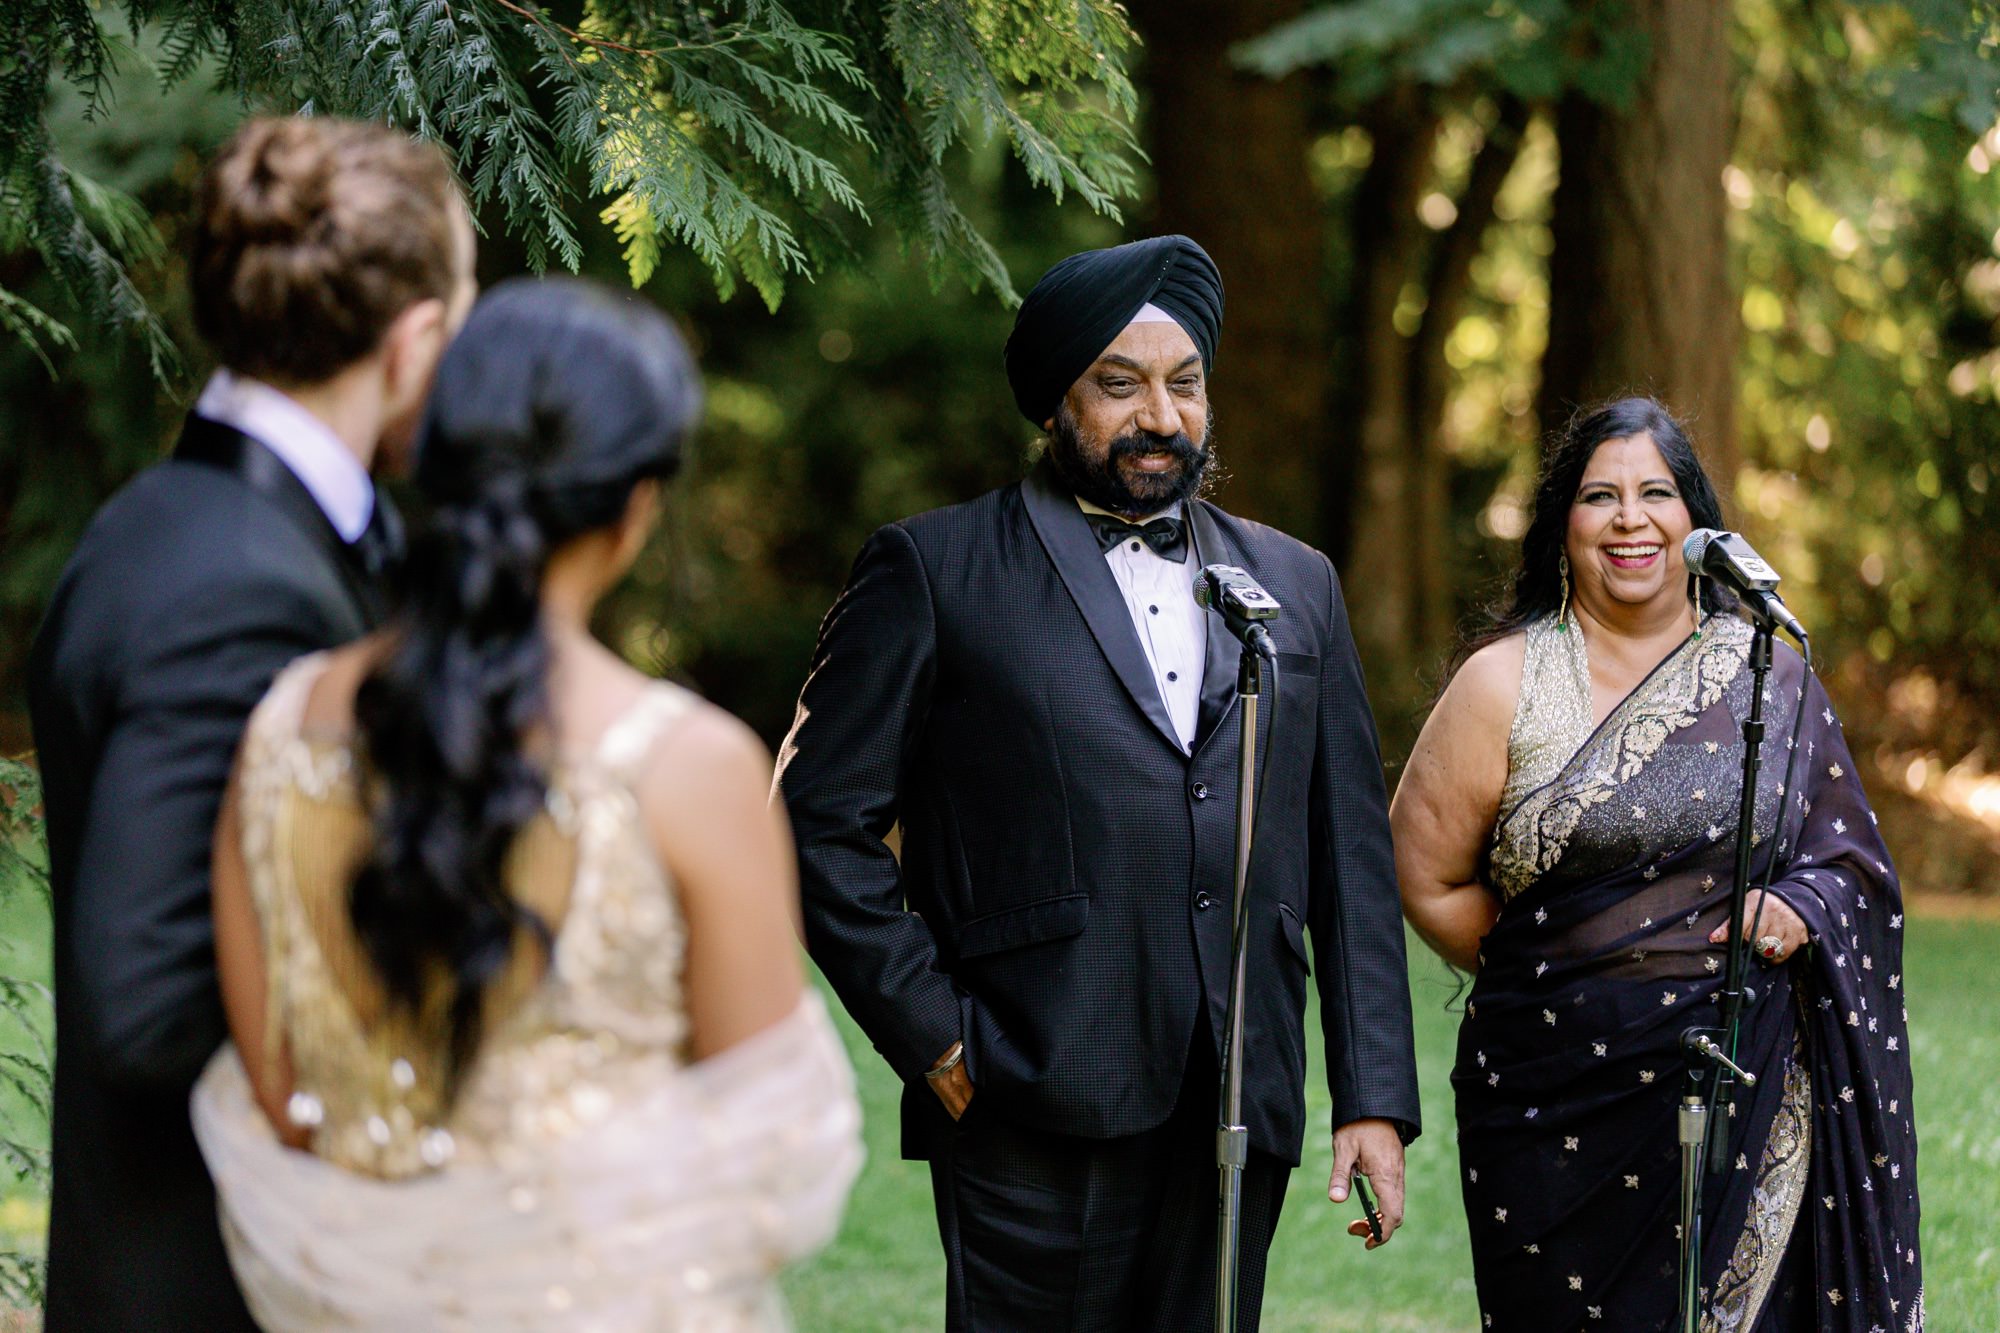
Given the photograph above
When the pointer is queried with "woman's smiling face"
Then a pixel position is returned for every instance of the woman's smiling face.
(1626, 526)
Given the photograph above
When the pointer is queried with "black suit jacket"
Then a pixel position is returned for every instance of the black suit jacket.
(1062, 900)
(188, 592)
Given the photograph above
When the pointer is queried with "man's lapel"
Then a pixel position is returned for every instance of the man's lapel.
(216, 445)
(1078, 558)
(1218, 681)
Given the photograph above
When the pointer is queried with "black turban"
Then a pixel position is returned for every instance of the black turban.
(1082, 304)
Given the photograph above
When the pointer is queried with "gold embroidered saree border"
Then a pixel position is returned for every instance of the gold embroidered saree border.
(1782, 1172)
(1530, 841)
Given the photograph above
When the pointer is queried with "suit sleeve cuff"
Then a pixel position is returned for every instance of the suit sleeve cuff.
(928, 1030)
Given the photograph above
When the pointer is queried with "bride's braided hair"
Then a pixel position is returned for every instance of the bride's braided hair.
(554, 402)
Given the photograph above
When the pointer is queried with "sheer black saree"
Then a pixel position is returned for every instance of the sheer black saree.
(1613, 872)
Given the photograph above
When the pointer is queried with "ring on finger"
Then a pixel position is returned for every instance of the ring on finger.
(1768, 946)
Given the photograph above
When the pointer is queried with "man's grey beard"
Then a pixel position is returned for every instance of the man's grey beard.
(1103, 485)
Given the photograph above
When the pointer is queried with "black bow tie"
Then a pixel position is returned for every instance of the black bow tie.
(379, 548)
(1168, 536)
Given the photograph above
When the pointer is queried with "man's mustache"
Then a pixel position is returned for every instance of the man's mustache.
(1177, 444)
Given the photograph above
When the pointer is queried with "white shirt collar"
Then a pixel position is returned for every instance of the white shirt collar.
(323, 464)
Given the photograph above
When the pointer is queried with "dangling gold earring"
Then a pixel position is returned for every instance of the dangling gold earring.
(1562, 612)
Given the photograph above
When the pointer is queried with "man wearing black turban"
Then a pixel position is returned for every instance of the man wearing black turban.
(1024, 684)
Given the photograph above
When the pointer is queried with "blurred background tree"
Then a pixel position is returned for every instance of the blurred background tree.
(1443, 223)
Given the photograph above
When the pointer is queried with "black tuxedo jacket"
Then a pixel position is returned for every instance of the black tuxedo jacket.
(1062, 899)
(188, 592)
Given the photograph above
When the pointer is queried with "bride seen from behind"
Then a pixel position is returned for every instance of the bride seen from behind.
(506, 930)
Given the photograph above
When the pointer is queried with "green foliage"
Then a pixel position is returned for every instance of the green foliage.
(24, 862)
(34, 328)
(1869, 246)
(1537, 49)
(67, 442)
(84, 231)
(1949, 46)
(24, 1019)
(1533, 49)
(755, 133)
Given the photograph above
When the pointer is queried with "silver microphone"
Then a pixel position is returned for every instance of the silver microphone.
(1242, 603)
(1730, 561)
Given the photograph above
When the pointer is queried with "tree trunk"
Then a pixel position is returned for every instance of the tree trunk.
(1229, 165)
(1450, 278)
(1639, 293)
(1383, 501)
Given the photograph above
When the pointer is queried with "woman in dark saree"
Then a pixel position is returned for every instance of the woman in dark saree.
(1566, 830)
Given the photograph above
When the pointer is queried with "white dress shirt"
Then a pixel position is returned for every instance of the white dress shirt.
(323, 464)
(1173, 629)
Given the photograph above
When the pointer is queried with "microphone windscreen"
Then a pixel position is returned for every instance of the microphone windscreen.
(1201, 588)
(1696, 547)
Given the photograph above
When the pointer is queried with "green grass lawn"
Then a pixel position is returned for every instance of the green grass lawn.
(885, 1274)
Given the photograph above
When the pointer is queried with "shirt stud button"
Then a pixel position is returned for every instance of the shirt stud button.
(1173, 675)
(1154, 609)
(1135, 546)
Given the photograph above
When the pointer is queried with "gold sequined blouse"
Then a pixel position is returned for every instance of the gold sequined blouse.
(563, 1035)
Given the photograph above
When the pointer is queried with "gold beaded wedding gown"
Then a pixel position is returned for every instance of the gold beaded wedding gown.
(586, 1175)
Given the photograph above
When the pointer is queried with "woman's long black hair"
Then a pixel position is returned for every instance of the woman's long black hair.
(1536, 590)
(553, 403)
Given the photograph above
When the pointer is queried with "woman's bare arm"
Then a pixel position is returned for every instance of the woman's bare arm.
(1444, 807)
(706, 798)
(239, 966)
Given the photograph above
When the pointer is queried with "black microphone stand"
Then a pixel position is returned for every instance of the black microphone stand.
(1246, 610)
(1710, 1052)
(1232, 1138)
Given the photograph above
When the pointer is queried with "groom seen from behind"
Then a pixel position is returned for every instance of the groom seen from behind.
(331, 263)
(1025, 685)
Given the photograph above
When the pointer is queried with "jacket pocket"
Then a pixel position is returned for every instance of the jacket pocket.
(1295, 934)
(1299, 664)
(1018, 927)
